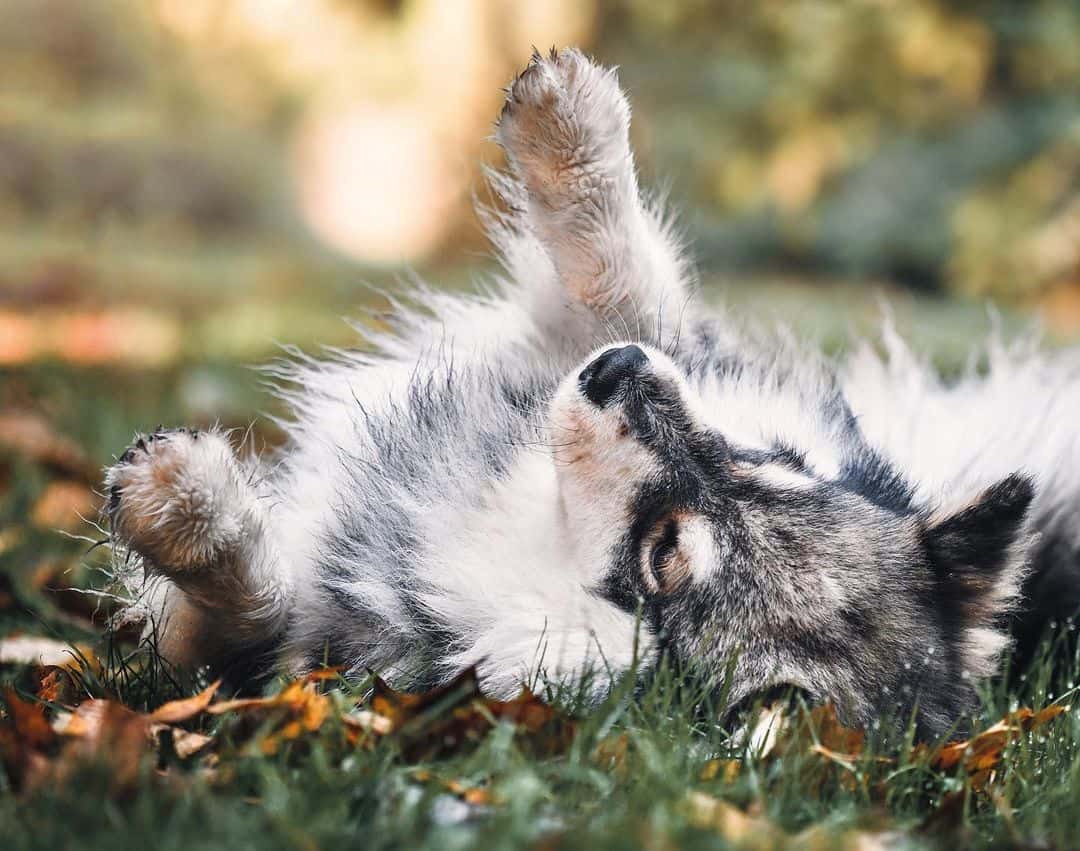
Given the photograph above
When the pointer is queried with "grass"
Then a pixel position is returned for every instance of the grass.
(637, 773)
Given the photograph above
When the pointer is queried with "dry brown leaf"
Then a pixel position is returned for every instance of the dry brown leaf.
(982, 753)
(709, 813)
(300, 706)
(176, 711)
(26, 739)
(187, 743)
(398, 707)
(456, 716)
(817, 729)
(106, 730)
(833, 735)
(36, 752)
(28, 719)
(324, 674)
(55, 685)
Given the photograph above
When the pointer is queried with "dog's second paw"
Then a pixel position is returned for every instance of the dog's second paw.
(173, 499)
(565, 128)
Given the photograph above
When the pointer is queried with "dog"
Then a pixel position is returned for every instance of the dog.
(583, 471)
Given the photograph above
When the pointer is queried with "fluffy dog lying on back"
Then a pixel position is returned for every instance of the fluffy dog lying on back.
(582, 470)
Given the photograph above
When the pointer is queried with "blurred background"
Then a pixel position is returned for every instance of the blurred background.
(186, 183)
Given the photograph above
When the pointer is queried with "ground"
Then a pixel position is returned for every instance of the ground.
(311, 771)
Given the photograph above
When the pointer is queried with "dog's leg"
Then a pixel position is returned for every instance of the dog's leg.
(565, 129)
(181, 501)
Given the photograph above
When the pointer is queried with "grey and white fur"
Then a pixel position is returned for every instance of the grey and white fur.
(582, 468)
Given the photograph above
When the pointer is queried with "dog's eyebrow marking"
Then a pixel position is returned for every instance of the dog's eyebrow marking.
(696, 543)
(783, 476)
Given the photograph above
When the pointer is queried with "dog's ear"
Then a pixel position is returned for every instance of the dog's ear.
(979, 553)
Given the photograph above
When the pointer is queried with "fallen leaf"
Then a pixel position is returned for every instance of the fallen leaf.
(176, 711)
(324, 674)
(55, 685)
(299, 706)
(28, 719)
(184, 743)
(817, 729)
(709, 813)
(456, 716)
(745, 829)
(107, 731)
(834, 736)
(26, 739)
(982, 752)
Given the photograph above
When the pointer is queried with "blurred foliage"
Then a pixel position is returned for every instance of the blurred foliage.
(130, 172)
(931, 143)
(926, 141)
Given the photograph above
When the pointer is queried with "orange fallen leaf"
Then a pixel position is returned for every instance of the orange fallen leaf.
(300, 706)
(107, 731)
(983, 751)
(456, 716)
(26, 738)
(324, 674)
(55, 685)
(833, 735)
(176, 711)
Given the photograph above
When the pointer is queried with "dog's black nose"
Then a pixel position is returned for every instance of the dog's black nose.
(601, 378)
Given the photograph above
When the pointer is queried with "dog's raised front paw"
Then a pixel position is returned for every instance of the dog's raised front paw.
(173, 499)
(565, 128)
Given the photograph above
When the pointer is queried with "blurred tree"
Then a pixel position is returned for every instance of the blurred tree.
(858, 138)
(186, 147)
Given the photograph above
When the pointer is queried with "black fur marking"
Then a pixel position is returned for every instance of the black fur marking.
(969, 547)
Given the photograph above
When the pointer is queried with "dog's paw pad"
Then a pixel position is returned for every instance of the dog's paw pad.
(565, 122)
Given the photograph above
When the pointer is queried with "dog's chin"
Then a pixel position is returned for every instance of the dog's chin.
(595, 445)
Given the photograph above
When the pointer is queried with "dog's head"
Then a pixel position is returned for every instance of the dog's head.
(774, 543)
